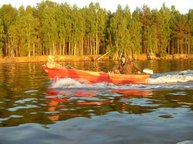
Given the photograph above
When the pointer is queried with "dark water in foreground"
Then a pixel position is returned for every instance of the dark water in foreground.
(34, 109)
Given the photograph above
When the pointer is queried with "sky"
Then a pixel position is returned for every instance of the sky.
(182, 5)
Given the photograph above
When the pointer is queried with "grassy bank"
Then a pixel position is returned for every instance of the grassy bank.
(85, 58)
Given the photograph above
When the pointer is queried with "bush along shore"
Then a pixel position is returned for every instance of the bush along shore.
(67, 58)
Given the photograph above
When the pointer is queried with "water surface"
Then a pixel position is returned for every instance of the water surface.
(34, 109)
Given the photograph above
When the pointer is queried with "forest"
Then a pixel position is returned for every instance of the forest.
(61, 29)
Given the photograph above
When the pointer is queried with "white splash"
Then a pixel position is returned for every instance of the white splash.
(186, 142)
(182, 76)
(66, 82)
(72, 83)
(171, 80)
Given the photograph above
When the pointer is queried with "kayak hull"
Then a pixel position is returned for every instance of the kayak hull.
(95, 77)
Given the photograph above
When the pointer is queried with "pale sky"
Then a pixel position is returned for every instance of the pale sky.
(182, 5)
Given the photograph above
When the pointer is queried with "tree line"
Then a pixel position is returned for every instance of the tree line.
(61, 29)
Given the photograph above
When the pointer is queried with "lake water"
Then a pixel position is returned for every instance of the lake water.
(34, 109)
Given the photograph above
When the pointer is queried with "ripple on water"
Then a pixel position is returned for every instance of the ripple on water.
(142, 102)
(178, 94)
(185, 142)
(21, 101)
(31, 91)
(22, 107)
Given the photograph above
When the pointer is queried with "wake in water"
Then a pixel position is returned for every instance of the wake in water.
(173, 77)
(170, 80)
(68, 83)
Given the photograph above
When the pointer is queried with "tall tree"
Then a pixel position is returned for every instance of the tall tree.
(2, 34)
(180, 35)
(51, 28)
(190, 35)
(135, 32)
(27, 25)
(63, 28)
(48, 26)
(165, 30)
(7, 15)
(120, 33)
(146, 30)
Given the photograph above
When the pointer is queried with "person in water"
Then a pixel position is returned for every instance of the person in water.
(126, 67)
(51, 62)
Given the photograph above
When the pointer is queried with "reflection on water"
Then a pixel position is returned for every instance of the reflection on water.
(159, 112)
(89, 102)
(130, 99)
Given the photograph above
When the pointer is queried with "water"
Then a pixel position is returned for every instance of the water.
(34, 109)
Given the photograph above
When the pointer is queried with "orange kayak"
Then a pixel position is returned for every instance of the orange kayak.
(95, 77)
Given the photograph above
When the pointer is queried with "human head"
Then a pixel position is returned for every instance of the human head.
(50, 58)
(123, 59)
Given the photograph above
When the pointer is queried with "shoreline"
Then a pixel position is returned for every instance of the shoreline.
(68, 58)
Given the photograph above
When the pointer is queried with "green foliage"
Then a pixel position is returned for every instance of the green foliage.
(7, 15)
(51, 28)
(2, 35)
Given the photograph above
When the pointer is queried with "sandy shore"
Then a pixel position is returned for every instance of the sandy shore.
(85, 58)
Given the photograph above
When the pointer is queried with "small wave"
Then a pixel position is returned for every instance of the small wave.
(171, 80)
(173, 77)
(186, 142)
(66, 82)
(72, 83)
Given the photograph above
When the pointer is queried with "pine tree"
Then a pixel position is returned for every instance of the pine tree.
(7, 16)
(190, 35)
